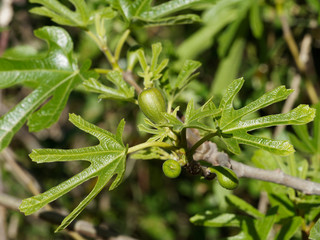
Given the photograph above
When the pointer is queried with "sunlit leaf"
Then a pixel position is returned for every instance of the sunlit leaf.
(315, 231)
(107, 159)
(54, 75)
(289, 228)
(302, 140)
(61, 14)
(232, 126)
(217, 220)
(122, 90)
(244, 206)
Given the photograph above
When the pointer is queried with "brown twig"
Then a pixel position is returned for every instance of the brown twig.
(20, 174)
(295, 84)
(276, 176)
(287, 34)
(289, 102)
(128, 77)
(301, 65)
(3, 213)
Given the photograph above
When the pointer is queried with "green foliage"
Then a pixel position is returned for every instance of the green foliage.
(121, 92)
(106, 160)
(54, 75)
(315, 231)
(186, 74)
(193, 117)
(302, 140)
(153, 71)
(253, 224)
(142, 11)
(234, 130)
(61, 14)
(232, 40)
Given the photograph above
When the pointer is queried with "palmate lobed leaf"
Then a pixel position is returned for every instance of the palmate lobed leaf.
(107, 159)
(54, 75)
(234, 129)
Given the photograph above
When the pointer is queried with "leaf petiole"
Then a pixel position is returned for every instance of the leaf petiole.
(104, 48)
(102, 71)
(120, 44)
(149, 144)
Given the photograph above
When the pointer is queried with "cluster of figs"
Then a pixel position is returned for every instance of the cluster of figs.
(152, 103)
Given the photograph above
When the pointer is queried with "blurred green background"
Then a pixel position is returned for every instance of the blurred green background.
(235, 39)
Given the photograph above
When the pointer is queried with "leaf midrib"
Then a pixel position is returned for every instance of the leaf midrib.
(35, 105)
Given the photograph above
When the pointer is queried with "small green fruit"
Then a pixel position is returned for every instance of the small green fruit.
(152, 103)
(226, 177)
(171, 168)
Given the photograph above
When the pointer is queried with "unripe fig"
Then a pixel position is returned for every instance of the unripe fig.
(226, 177)
(152, 103)
(171, 168)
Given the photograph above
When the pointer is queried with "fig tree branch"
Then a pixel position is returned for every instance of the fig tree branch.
(208, 152)
(276, 176)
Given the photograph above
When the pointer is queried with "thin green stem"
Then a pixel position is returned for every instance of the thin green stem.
(102, 71)
(149, 144)
(104, 48)
(110, 57)
(201, 141)
(184, 138)
(169, 106)
(292, 165)
(120, 45)
(312, 91)
(94, 38)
